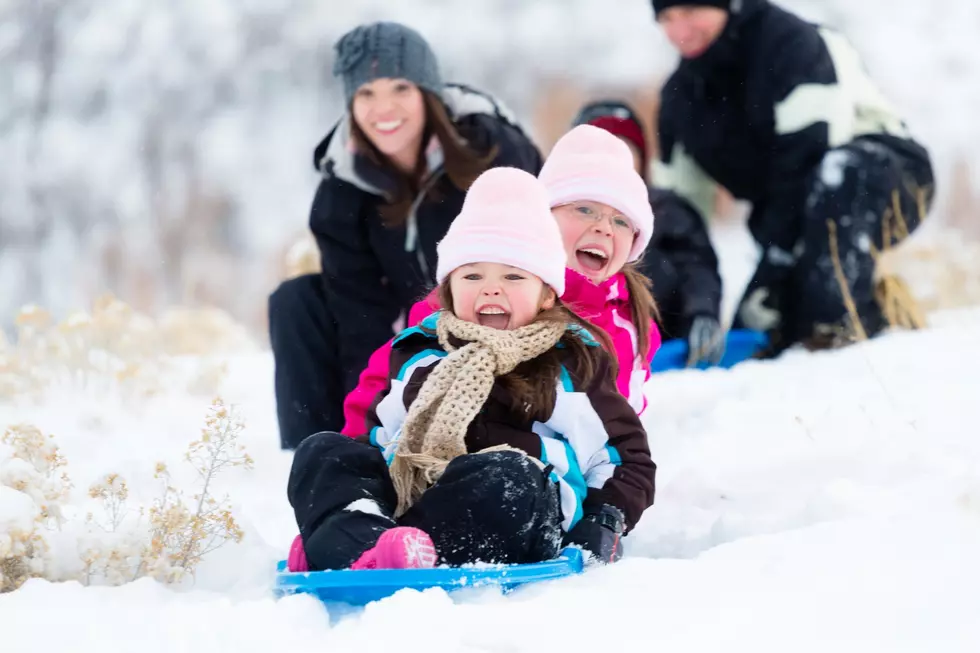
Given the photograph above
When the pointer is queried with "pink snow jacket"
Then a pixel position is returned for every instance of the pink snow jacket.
(374, 378)
(606, 305)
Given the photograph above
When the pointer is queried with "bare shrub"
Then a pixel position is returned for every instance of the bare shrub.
(114, 347)
(33, 491)
(165, 539)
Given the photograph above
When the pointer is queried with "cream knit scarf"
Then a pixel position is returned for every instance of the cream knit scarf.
(434, 430)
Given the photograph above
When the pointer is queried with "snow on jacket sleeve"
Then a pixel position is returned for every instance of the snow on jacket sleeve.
(363, 307)
(609, 443)
(682, 238)
(374, 378)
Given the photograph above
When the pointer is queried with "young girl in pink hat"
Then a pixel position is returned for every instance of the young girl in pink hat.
(500, 435)
(603, 212)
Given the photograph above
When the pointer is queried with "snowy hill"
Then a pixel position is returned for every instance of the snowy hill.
(820, 502)
(828, 500)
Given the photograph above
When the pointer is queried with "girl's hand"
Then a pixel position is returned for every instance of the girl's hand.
(600, 533)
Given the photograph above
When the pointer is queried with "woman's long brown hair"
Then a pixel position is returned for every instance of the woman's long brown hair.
(461, 162)
(532, 386)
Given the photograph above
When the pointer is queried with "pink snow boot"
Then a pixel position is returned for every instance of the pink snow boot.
(297, 556)
(401, 547)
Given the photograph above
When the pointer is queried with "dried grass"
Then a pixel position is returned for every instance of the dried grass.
(113, 347)
(900, 306)
(165, 540)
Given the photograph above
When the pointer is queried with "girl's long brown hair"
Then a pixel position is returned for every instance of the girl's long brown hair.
(461, 162)
(643, 307)
(532, 386)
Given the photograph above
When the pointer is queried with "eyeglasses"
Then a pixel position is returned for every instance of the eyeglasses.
(594, 212)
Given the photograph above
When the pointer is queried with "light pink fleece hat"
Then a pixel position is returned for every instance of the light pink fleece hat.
(589, 163)
(506, 219)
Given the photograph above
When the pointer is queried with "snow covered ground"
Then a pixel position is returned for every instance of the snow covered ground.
(822, 500)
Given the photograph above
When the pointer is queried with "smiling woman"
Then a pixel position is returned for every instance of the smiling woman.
(395, 170)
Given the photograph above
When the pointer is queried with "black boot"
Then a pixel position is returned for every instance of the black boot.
(342, 496)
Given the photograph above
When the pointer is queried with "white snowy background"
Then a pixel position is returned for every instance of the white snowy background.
(162, 150)
(819, 502)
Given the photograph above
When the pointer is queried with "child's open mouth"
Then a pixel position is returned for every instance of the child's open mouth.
(493, 317)
(592, 258)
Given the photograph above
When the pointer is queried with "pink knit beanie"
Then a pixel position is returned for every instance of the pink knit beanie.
(589, 163)
(506, 219)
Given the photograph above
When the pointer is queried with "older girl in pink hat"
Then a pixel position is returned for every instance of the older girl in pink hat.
(603, 211)
(500, 435)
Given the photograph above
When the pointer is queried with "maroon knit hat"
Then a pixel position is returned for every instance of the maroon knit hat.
(618, 119)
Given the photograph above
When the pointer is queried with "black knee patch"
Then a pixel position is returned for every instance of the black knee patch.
(490, 507)
(295, 293)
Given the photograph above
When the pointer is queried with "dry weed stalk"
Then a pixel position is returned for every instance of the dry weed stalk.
(900, 307)
(112, 492)
(302, 257)
(951, 267)
(112, 558)
(114, 347)
(856, 326)
(110, 346)
(200, 332)
(182, 535)
(37, 469)
(34, 483)
(22, 556)
(167, 541)
(902, 310)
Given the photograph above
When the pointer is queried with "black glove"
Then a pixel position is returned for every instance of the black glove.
(706, 341)
(600, 532)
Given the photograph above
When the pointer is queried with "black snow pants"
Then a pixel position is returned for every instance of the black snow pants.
(309, 383)
(855, 187)
(496, 507)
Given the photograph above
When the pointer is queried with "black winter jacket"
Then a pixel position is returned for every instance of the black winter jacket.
(680, 237)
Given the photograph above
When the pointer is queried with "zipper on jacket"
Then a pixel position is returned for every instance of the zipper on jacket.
(412, 228)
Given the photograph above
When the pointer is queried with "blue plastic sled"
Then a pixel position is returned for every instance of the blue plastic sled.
(363, 586)
(740, 345)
